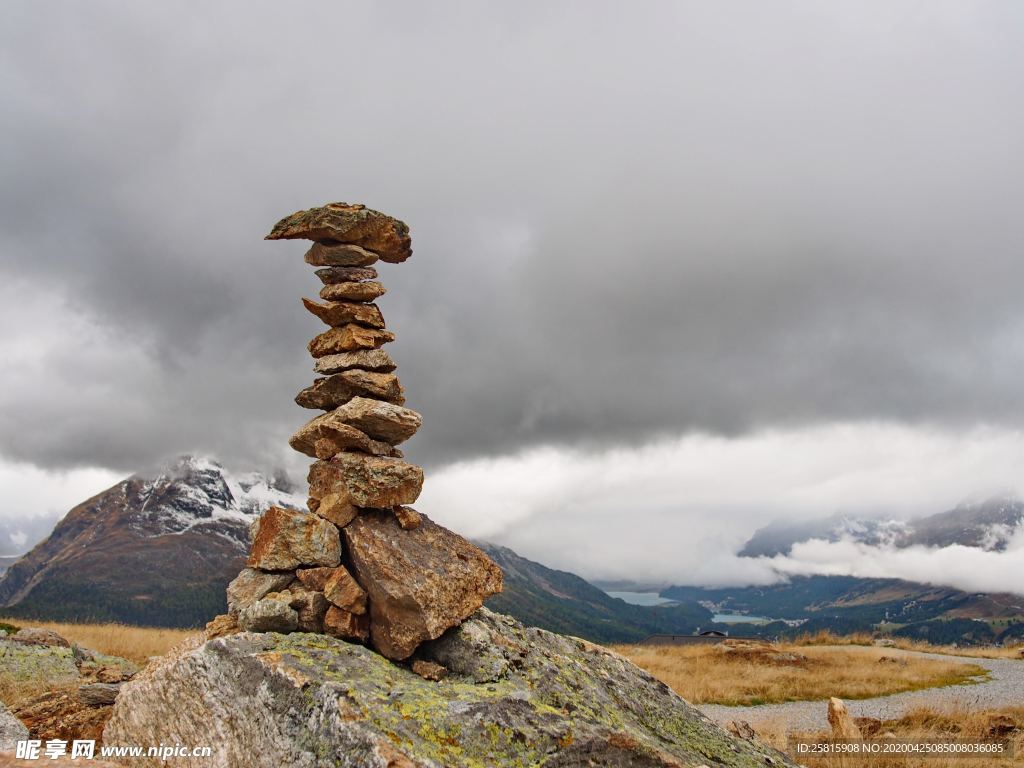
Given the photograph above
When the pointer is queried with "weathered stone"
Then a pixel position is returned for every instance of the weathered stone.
(12, 730)
(407, 517)
(388, 422)
(334, 275)
(336, 313)
(221, 625)
(420, 582)
(311, 605)
(314, 579)
(82, 655)
(369, 481)
(337, 508)
(337, 435)
(339, 255)
(346, 625)
(368, 359)
(346, 338)
(98, 694)
(343, 591)
(105, 674)
(429, 670)
(842, 724)
(268, 615)
(36, 636)
(305, 700)
(250, 585)
(286, 538)
(344, 223)
(328, 393)
(370, 291)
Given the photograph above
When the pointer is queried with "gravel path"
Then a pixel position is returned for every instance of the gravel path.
(1005, 688)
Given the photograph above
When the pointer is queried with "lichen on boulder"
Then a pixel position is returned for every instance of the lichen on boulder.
(311, 701)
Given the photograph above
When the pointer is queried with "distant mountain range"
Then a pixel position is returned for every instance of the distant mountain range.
(563, 602)
(988, 525)
(160, 551)
(844, 604)
(156, 551)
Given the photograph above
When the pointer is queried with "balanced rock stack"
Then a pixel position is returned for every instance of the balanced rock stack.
(361, 564)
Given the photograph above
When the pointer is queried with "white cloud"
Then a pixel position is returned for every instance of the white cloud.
(677, 510)
(29, 492)
(968, 568)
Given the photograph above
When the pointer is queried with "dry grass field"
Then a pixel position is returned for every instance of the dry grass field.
(922, 724)
(134, 643)
(742, 673)
(976, 652)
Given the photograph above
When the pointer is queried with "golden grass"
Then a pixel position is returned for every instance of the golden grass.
(707, 674)
(865, 638)
(134, 643)
(921, 724)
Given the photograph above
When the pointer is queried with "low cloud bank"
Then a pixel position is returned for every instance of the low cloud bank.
(678, 510)
(968, 568)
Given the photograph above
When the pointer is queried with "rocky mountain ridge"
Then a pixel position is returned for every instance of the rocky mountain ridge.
(987, 524)
(153, 550)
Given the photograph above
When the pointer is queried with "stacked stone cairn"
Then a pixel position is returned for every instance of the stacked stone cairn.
(361, 564)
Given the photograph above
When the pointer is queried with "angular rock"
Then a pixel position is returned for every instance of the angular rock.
(388, 422)
(250, 585)
(311, 701)
(328, 393)
(112, 675)
(368, 359)
(314, 579)
(337, 508)
(36, 636)
(429, 670)
(337, 435)
(346, 625)
(311, 605)
(221, 625)
(407, 517)
(345, 223)
(420, 582)
(843, 726)
(12, 730)
(339, 255)
(336, 313)
(334, 275)
(346, 338)
(369, 481)
(98, 694)
(343, 591)
(268, 615)
(284, 539)
(370, 291)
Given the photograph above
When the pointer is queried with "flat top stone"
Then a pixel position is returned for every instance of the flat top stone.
(348, 223)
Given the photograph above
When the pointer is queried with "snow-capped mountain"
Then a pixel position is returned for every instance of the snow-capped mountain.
(156, 550)
(987, 525)
(197, 493)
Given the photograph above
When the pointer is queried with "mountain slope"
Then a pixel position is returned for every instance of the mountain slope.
(987, 525)
(161, 552)
(146, 551)
(565, 603)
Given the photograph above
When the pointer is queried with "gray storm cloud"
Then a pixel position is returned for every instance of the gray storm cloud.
(629, 220)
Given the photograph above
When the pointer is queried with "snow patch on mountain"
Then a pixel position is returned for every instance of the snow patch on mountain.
(195, 492)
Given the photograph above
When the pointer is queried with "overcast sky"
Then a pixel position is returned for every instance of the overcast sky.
(753, 245)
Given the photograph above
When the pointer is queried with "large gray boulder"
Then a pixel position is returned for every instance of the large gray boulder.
(513, 697)
(12, 730)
